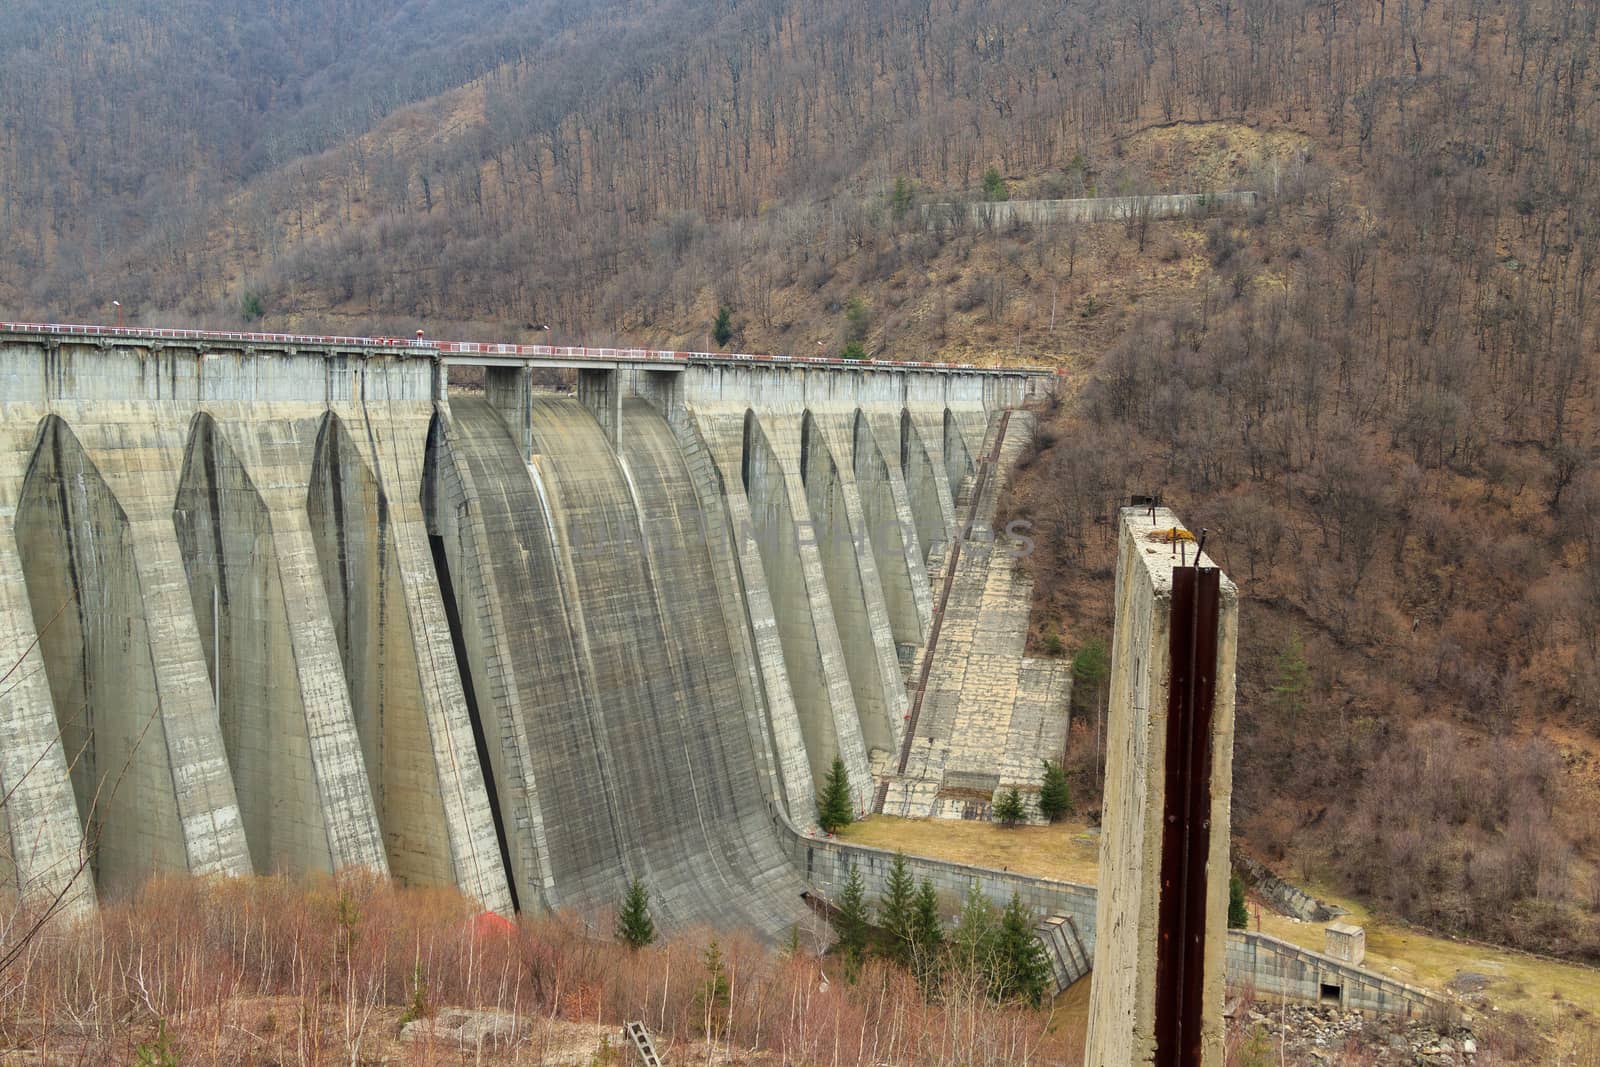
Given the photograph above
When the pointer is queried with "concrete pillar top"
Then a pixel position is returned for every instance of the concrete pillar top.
(1165, 542)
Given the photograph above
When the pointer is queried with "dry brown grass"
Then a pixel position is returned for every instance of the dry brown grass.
(1068, 850)
(266, 971)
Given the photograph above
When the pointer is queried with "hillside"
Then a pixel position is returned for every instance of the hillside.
(1376, 390)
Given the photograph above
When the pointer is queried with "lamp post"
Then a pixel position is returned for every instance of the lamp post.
(118, 305)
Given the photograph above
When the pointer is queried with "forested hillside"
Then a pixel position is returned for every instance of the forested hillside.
(1376, 389)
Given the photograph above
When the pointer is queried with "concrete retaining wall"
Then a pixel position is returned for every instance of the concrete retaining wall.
(997, 214)
(1278, 969)
(1268, 966)
(825, 863)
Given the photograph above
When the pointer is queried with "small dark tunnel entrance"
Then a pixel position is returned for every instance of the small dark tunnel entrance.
(441, 567)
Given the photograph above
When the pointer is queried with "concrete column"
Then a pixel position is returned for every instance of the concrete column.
(398, 434)
(1158, 982)
(960, 463)
(601, 392)
(131, 691)
(927, 480)
(136, 451)
(702, 475)
(286, 715)
(860, 612)
(506, 701)
(723, 437)
(42, 850)
(893, 527)
(509, 391)
(783, 529)
(394, 640)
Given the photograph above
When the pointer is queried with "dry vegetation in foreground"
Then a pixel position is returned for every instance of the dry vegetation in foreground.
(266, 971)
(357, 971)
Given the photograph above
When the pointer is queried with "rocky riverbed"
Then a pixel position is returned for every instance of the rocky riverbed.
(1326, 1035)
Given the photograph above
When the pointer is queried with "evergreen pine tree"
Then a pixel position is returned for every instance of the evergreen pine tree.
(1238, 914)
(713, 995)
(1009, 808)
(927, 934)
(994, 186)
(1055, 797)
(900, 200)
(1293, 680)
(851, 919)
(833, 806)
(972, 941)
(1091, 666)
(1021, 970)
(1092, 663)
(635, 927)
(897, 911)
(722, 329)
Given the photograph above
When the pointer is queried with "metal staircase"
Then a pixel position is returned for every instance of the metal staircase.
(639, 1038)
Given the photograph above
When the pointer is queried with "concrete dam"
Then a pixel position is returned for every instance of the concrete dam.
(274, 604)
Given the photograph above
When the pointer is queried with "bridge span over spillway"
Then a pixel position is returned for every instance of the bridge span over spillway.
(286, 604)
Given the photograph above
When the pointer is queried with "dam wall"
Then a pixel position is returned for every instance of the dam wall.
(229, 601)
(287, 605)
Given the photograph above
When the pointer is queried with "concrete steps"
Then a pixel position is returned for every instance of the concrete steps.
(1064, 949)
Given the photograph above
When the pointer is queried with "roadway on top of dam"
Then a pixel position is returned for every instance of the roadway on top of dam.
(479, 354)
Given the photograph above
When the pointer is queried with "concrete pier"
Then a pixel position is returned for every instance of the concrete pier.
(786, 536)
(860, 610)
(927, 477)
(98, 657)
(892, 526)
(1160, 957)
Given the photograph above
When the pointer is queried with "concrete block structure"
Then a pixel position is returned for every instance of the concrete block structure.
(1346, 942)
(1161, 916)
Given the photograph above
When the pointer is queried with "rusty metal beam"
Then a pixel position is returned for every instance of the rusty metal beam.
(1186, 817)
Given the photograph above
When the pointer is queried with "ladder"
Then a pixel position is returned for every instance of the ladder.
(639, 1037)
